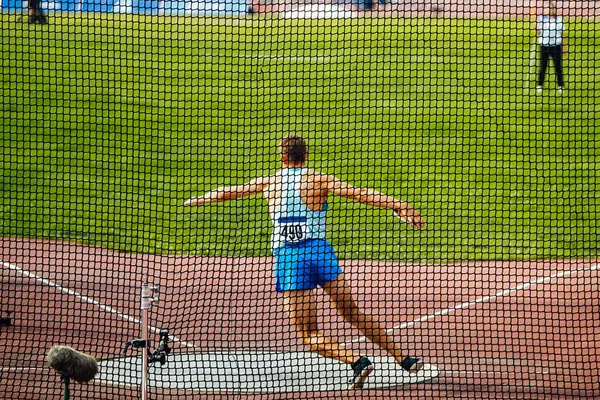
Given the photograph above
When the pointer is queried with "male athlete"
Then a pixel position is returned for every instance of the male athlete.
(297, 200)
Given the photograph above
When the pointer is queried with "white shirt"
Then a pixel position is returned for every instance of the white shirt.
(551, 30)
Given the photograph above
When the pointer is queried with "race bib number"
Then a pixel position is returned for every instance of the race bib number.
(293, 230)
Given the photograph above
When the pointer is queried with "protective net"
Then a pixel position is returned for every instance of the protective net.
(154, 223)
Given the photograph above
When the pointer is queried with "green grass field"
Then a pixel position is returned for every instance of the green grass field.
(109, 122)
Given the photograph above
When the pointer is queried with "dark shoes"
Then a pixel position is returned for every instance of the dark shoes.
(411, 365)
(362, 369)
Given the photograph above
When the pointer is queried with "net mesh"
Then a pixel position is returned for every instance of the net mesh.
(115, 113)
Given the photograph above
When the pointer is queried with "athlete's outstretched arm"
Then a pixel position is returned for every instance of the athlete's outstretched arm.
(229, 193)
(374, 198)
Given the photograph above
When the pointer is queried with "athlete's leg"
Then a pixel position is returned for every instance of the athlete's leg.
(341, 296)
(301, 307)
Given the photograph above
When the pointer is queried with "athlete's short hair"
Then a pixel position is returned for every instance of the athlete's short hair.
(294, 148)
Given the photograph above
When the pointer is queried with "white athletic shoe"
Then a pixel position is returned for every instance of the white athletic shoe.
(560, 90)
(539, 89)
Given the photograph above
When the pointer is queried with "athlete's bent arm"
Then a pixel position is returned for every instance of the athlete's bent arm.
(374, 198)
(229, 193)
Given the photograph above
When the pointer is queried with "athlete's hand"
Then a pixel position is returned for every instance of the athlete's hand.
(411, 217)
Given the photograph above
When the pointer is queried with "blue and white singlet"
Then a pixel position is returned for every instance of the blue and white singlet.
(293, 221)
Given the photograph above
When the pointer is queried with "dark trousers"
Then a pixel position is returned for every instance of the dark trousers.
(36, 14)
(556, 53)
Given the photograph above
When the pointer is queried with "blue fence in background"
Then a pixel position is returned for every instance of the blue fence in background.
(136, 6)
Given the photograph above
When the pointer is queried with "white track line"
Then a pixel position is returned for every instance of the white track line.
(487, 373)
(483, 299)
(22, 369)
(88, 300)
(445, 311)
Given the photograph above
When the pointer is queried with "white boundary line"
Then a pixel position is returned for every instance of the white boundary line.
(487, 373)
(484, 299)
(23, 369)
(446, 311)
(291, 58)
(88, 300)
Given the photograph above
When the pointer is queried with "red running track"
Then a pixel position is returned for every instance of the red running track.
(526, 330)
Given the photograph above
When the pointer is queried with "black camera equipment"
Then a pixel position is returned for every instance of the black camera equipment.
(159, 354)
(5, 321)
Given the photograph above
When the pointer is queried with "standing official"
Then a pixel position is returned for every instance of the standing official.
(550, 28)
(36, 14)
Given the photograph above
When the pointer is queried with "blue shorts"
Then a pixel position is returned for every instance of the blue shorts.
(305, 265)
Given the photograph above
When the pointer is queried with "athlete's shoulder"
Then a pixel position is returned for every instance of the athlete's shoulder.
(317, 176)
(312, 172)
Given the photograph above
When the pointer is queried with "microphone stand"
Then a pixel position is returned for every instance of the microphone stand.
(148, 298)
(66, 380)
